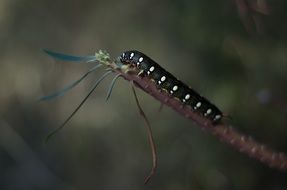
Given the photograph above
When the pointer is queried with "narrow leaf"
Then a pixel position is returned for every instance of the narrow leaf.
(78, 107)
(65, 57)
(68, 87)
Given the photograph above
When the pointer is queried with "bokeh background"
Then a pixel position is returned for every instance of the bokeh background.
(234, 52)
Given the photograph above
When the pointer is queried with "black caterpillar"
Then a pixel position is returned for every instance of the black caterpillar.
(167, 82)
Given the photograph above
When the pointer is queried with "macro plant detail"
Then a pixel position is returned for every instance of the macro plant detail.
(147, 75)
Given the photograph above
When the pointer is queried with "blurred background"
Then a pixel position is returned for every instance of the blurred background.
(232, 52)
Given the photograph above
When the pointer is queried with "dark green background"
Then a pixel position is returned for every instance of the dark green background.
(238, 61)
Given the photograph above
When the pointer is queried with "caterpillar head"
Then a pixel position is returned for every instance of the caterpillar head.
(132, 58)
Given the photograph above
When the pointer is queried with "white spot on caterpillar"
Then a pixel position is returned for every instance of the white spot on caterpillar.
(175, 88)
(171, 92)
(131, 56)
(217, 117)
(123, 55)
(197, 105)
(138, 63)
(187, 96)
(162, 79)
(151, 69)
(208, 112)
(140, 59)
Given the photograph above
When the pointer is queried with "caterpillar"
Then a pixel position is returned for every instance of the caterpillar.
(149, 76)
(170, 84)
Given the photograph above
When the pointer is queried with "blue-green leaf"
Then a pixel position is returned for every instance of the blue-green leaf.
(65, 57)
(69, 87)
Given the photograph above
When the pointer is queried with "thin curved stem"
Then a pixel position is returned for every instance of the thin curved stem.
(112, 86)
(70, 86)
(150, 137)
(79, 106)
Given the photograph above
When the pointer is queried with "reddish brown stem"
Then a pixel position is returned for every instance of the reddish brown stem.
(225, 132)
(150, 137)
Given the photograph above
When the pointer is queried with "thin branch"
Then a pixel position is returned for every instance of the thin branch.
(225, 132)
(111, 87)
(78, 107)
(70, 86)
(150, 137)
